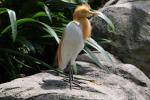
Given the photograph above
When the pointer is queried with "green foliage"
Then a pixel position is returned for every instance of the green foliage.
(30, 32)
(12, 17)
(111, 27)
(25, 39)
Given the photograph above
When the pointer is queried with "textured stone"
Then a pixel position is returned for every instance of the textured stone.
(122, 82)
(131, 39)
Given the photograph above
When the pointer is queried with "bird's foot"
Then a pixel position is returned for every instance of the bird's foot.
(74, 82)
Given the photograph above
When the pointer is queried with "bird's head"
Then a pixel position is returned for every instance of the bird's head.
(83, 11)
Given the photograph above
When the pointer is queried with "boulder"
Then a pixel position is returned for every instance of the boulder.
(113, 2)
(122, 82)
(131, 39)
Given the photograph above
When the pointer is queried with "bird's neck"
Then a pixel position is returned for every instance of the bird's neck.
(86, 27)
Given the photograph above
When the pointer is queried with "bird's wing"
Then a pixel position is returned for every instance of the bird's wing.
(71, 44)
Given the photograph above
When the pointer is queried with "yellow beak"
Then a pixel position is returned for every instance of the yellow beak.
(92, 13)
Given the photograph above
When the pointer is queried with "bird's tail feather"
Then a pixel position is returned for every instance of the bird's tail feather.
(58, 57)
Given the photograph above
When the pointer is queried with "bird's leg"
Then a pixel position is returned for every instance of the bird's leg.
(70, 76)
(71, 70)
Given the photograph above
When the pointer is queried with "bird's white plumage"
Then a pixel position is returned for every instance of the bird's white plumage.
(72, 44)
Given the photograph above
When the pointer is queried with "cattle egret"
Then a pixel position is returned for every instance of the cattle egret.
(73, 39)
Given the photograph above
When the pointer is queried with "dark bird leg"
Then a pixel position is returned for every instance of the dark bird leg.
(70, 75)
(71, 69)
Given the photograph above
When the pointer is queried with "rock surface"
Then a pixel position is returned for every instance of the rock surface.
(131, 40)
(122, 82)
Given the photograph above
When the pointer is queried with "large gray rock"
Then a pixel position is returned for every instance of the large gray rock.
(131, 40)
(122, 82)
(113, 2)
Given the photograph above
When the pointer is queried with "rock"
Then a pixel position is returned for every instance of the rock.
(131, 39)
(123, 82)
(113, 2)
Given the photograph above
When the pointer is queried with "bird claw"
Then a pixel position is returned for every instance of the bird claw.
(73, 82)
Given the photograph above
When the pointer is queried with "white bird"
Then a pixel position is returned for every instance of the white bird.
(74, 37)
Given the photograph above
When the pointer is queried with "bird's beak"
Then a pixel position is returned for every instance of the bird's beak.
(93, 13)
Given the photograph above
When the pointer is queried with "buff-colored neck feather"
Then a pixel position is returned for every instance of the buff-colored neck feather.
(83, 20)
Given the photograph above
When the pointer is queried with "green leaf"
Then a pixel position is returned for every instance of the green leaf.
(28, 44)
(19, 22)
(93, 57)
(3, 10)
(105, 18)
(20, 62)
(30, 20)
(95, 45)
(48, 13)
(59, 29)
(12, 69)
(74, 1)
(12, 17)
(13, 24)
(50, 31)
(13, 52)
(39, 14)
